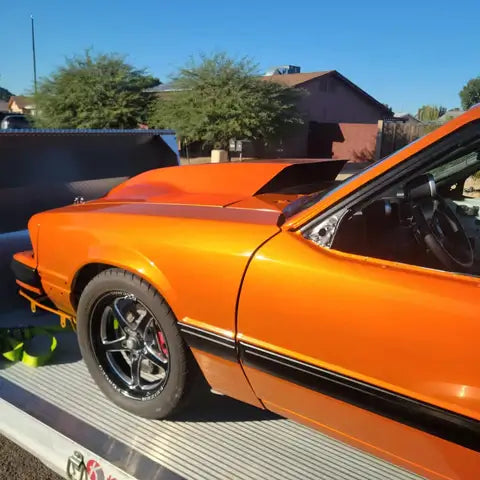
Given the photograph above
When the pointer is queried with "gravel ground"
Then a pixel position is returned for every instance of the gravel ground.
(17, 464)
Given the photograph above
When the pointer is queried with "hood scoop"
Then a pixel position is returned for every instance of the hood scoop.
(222, 184)
(303, 178)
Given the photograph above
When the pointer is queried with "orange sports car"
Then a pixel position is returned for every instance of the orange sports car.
(349, 306)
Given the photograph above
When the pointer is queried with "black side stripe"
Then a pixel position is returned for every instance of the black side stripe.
(436, 421)
(209, 342)
(445, 424)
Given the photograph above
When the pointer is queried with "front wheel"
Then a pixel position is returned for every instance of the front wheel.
(131, 345)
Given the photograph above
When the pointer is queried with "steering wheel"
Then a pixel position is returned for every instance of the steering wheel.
(437, 226)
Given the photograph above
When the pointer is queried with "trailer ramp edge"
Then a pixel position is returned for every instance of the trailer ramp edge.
(27, 427)
(220, 439)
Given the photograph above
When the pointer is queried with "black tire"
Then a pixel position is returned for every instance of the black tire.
(182, 369)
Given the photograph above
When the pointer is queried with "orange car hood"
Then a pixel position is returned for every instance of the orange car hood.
(226, 184)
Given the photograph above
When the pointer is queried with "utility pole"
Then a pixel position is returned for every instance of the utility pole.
(34, 56)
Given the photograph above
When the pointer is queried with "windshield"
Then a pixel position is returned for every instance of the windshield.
(347, 175)
(307, 201)
(468, 162)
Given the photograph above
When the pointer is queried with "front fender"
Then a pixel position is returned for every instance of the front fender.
(134, 262)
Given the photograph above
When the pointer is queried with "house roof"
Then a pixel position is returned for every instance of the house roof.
(3, 106)
(164, 87)
(21, 101)
(297, 79)
(294, 79)
(406, 116)
(290, 80)
(449, 114)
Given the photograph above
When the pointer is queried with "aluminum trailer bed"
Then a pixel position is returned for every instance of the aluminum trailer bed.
(56, 411)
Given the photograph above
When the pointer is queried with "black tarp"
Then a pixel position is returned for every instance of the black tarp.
(43, 169)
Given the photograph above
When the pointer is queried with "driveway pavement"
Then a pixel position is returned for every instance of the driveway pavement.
(17, 464)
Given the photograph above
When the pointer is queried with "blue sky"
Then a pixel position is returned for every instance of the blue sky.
(404, 53)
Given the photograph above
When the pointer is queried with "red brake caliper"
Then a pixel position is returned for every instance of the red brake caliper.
(162, 343)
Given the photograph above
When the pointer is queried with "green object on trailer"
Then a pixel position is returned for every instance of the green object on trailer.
(17, 344)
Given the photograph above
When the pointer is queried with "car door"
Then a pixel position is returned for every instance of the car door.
(381, 354)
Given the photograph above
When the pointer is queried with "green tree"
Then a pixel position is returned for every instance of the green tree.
(5, 94)
(470, 93)
(219, 98)
(390, 110)
(100, 91)
(430, 113)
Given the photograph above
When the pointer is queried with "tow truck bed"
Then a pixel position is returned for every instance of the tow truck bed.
(56, 410)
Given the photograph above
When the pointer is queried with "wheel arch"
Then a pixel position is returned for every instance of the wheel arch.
(130, 262)
(82, 277)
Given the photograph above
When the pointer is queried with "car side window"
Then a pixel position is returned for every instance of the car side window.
(431, 220)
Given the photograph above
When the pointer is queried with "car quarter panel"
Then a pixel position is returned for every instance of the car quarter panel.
(194, 255)
(386, 332)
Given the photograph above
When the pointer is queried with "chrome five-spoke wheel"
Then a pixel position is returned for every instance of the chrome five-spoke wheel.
(130, 345)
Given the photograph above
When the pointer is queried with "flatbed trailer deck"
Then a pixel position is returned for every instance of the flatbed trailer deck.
(58, 414)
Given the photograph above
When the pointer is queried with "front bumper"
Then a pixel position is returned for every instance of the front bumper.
(25, 272)
(24, 268)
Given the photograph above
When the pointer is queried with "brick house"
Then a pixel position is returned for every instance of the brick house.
(341, 119)
(21, 104)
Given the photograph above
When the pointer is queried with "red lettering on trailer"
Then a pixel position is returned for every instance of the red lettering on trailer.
(95, 471)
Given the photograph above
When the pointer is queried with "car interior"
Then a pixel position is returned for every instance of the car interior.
(430, 220)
